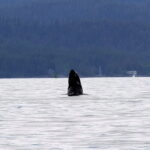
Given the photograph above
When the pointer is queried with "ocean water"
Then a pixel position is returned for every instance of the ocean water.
(36, 114)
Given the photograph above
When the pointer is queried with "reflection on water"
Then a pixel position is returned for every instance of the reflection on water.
(36, 114)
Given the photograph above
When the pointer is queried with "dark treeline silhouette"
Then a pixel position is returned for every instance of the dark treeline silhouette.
(48, 37)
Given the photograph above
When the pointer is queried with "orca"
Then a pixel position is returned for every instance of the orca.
(75, 87)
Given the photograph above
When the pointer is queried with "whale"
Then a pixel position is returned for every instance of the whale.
(74, 84)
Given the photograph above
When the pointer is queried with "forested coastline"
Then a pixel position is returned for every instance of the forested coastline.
(47, 38)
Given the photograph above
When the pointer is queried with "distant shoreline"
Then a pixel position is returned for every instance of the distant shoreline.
(67, 77)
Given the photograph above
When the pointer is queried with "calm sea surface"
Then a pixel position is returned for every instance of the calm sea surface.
(36, 114)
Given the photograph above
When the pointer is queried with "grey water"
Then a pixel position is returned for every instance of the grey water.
(36, 114)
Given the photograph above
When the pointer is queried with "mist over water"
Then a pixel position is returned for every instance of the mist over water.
(36, 114)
